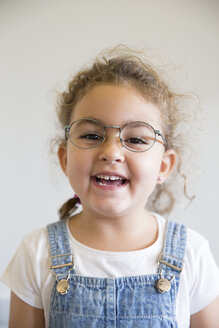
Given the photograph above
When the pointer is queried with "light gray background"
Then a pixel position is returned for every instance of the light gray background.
(42, 44)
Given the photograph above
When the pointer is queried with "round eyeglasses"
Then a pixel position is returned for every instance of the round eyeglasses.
(86, 133)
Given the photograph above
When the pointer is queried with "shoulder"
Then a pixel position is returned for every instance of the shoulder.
(40, 236)
(195, 240)
(197, 250)
(36, 241)
(33, 253)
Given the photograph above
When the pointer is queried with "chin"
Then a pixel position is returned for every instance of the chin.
(110, 209)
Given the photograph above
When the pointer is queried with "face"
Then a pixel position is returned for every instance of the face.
(109, 179)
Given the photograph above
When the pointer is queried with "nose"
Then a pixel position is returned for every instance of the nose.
(111, 150)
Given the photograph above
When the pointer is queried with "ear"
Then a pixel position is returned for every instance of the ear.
(62, 156)
(167, 164)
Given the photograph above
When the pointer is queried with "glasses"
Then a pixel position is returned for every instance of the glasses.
(87, 133)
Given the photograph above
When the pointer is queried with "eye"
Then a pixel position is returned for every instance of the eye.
(91, 136)
(136, 141)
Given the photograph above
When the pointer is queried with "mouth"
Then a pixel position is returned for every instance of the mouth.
(111, 182)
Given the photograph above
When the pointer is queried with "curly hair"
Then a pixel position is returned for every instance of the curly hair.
(122, 66)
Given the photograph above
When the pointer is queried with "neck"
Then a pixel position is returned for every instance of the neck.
(130, 231)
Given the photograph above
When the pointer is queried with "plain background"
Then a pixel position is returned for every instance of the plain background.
(43, 43)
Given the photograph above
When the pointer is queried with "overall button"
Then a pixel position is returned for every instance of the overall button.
(63, 286)
(163, 285)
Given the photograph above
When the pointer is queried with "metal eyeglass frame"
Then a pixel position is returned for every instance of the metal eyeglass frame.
(156, 132)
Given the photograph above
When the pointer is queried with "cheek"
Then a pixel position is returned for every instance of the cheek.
(147, 169)
(78, 167)
(149, 164)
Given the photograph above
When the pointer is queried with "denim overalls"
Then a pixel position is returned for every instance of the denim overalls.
(132, 301)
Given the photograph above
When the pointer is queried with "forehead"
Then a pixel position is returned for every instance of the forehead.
(116, 105)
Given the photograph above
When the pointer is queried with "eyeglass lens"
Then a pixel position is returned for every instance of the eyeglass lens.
(136, 136)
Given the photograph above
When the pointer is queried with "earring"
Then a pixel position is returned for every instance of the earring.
(159, 179)
(78, 199)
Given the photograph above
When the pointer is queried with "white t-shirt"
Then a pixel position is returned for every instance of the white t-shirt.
(29, 277)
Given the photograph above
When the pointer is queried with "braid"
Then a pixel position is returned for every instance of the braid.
(68, 208)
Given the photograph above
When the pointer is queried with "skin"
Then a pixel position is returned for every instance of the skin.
(23, 315)
(110, 216)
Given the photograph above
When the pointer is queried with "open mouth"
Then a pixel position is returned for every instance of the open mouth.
(104, 180)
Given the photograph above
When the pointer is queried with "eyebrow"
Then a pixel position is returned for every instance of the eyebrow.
(94, 118)
(103, 123)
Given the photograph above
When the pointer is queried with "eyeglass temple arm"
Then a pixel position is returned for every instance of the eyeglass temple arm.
(66, 128)
(158, 132)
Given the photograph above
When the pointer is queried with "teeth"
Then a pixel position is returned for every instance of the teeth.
(106, 177)
(102, 184)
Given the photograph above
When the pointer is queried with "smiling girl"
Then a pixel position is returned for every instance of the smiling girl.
(117, 263)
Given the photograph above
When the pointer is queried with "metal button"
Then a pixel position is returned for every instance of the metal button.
(62, 286)
(163, 285)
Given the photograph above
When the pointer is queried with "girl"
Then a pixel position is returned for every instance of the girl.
(116, 263)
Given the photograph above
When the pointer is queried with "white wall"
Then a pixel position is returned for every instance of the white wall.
(43, 43)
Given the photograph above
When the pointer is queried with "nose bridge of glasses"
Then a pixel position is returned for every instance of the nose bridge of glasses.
(118, 139)
(112, 126)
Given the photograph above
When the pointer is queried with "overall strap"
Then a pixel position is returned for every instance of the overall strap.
(172, 259)
(60, 251)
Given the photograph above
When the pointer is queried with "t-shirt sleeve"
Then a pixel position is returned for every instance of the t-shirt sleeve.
(205, 282)
(22, 275)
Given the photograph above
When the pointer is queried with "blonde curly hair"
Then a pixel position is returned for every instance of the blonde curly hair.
(123, 66)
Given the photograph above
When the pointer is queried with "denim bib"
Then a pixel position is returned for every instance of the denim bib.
(133, 301)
